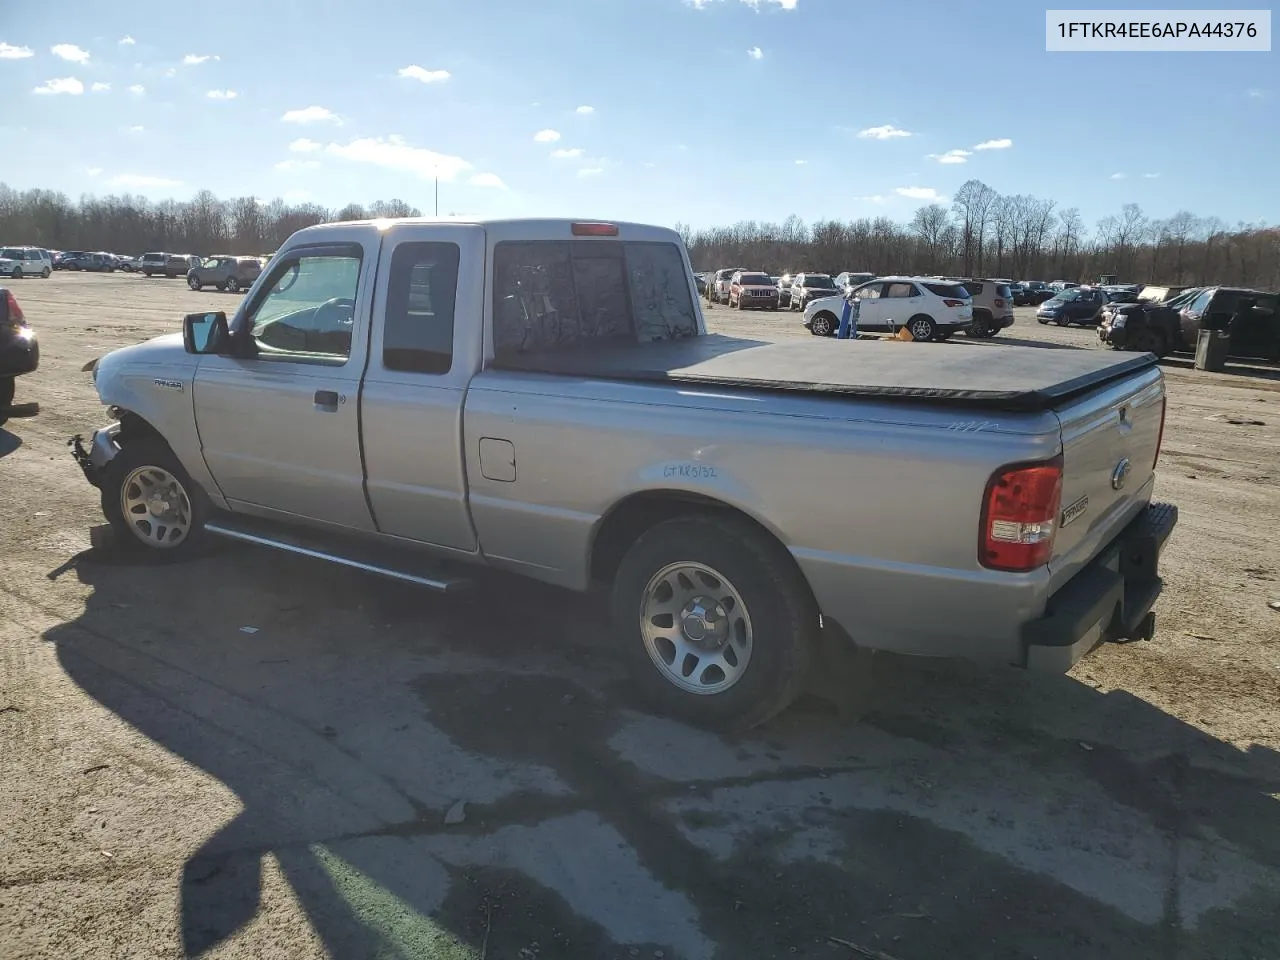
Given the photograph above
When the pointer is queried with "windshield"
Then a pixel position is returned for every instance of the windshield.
(756, 280)
(820, 282)
(1072, 293)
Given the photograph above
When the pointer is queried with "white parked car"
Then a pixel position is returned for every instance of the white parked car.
(18, 262)
(931, 309)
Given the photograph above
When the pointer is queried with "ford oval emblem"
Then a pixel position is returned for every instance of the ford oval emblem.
(1120, 474)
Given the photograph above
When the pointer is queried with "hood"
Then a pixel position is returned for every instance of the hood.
(166, 351)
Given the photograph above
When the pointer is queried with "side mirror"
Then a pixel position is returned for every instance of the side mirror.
(205, 333)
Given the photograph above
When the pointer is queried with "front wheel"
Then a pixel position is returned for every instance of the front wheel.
(44, 274)
(922, 328)
(17, 273)
(1062, 322)
(194, 283)
(1150, 341)
(822, 325)
(232, 285)
(717, 622)
(153, 505)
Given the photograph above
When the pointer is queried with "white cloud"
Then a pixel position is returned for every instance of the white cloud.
(297, 164)
(222, 94)
(1254, 93)
(755, 53)
(801, 163)
(1118, 176)
(873, 198)
(193, 59)
(753, 4)
(127, 41)
(393, 153)
(590, 171)
(919, 193)
(886, 132)
(100, 87)
(584, 110)
(1002, 144)
(487, 180)
(1150, 176)
(303, 145)
(138, 89)
(951, 156)
(415, 72)
(311, 115)
(66, 85)
(9, 52)
(93, 171)
(138, 180)
(569, 153)
(171, 72)
(70, 52)
(137, 128)
(546, 136)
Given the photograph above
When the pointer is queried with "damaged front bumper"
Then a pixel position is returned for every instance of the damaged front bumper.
(94, 455)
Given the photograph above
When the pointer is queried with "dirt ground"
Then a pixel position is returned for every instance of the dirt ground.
(173, 784)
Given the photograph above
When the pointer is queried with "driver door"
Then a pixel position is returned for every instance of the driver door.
(280, 428)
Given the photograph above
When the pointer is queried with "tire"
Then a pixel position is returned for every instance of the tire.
(17, 273)
(772, 612)
(1150, 341)
(231, 285)
(147, 273)
(823, 324)
(150, 456)
(928, 330)
(943, 337)
(44, 274)
(1043, 321)
(1063, 321)
(978, 329)
(194, 283)
(7, 388)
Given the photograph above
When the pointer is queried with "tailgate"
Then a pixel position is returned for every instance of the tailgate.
(1110, 439)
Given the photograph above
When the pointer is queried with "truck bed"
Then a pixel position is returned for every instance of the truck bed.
(1013, 378)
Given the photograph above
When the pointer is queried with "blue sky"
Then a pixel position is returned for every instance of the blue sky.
(699, 111)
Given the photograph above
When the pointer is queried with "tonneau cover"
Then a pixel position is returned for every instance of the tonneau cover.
(996, 377)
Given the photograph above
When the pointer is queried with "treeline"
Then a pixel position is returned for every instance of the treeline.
(132, 225)
(983, 233)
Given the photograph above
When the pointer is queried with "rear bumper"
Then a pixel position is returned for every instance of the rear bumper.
(1109, 601)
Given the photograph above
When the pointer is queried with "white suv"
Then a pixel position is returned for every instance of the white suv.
(18, 262)
(931, 309)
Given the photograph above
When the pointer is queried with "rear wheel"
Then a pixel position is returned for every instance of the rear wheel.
(231, 285)
(822, 325)
(717, 623)
(922, 328)
(17, 273)
(44, 274)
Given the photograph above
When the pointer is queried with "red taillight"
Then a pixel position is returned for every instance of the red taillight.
(595, 230)
(1020, 516)
(954, 303)
(15, 311)
(1164, 406)
(999, 302)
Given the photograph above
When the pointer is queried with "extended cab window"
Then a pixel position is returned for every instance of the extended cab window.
(553, 293)
(417, 333)
(307, 310)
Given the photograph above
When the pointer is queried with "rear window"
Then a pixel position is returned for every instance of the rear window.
(952, 291)
(1004, 290)
(555, 293)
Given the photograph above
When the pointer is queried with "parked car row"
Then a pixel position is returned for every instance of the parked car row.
(1250, 317)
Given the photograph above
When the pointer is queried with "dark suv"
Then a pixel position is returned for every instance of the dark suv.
(1252, 317)
(165, 264)
(231, 274)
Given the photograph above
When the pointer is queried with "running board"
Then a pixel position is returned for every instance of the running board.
(392, 562)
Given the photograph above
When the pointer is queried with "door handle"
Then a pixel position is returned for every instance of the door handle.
(328, 399)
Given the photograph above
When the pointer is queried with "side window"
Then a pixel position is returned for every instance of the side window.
(417, 334)
(869, 292)
(307, 310)
(899, 290)
(33, 254)
(973, 287)
(660, 300)
(1197, 306)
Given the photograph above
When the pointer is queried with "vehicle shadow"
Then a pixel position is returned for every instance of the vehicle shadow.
(966, 813)
(1262, 369)
(9, 442)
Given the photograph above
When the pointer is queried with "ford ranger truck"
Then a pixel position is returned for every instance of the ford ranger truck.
(416, 398)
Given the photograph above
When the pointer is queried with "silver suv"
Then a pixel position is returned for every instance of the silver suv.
(18, 262)
(992, 305)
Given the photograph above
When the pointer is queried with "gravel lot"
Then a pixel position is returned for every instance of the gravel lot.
(171, 785)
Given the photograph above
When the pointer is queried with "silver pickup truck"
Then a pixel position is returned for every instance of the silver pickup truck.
(411, 397)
